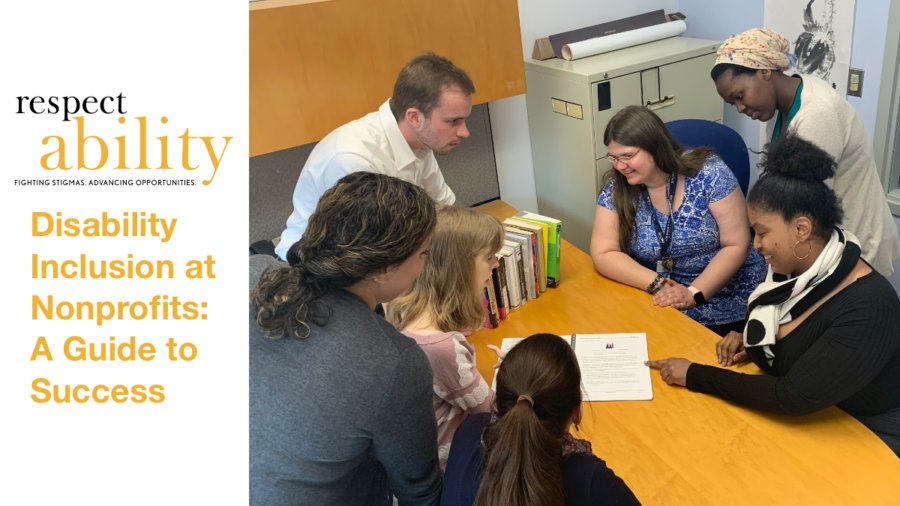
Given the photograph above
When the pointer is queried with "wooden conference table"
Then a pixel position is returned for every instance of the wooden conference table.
(684, 447)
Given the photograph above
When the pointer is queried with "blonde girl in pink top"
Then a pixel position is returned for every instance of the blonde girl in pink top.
(444, 305)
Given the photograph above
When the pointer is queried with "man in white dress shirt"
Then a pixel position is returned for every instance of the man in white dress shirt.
(425, 115)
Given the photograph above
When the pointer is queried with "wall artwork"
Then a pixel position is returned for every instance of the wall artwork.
(821, 36)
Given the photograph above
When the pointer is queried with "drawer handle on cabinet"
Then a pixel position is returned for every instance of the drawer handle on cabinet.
(666, 101)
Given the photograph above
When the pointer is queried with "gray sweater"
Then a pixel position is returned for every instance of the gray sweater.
(342, 417)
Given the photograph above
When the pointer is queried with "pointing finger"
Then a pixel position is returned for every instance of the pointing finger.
(655, 364)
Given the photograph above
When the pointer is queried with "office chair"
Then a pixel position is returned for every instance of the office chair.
(727, 143)
(263, 247)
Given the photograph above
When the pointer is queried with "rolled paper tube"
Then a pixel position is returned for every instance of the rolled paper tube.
(630, 38)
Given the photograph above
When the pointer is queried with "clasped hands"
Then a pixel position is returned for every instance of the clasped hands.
(674, 294)
(729, 351)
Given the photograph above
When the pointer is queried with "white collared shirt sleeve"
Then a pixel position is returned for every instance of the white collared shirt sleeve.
(372, 143)
(433, 183)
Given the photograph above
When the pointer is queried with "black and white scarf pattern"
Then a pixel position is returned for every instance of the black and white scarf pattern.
(778, 300)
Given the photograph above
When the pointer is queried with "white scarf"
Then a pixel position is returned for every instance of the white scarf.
(778, 300)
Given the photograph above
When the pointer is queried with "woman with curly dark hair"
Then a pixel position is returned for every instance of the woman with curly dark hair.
(340, 401)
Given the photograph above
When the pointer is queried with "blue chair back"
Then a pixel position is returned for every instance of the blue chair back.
(727, 143)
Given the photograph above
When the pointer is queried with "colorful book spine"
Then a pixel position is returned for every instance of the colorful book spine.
(489, 321)
(528, 260)
(520, 264)
(554, 246)
(536, 233)
(510, 269)
(492, 299)
(499, 282)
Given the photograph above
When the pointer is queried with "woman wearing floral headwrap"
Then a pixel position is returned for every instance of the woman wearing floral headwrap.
(749, 75)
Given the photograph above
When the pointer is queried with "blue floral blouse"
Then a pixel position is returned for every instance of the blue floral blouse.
(695, 241)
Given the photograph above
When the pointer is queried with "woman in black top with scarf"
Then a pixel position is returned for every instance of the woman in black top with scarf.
(823, 326)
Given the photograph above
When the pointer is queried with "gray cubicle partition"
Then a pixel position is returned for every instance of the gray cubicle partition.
(470, 170)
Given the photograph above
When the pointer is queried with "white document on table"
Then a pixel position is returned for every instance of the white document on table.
(612, 365)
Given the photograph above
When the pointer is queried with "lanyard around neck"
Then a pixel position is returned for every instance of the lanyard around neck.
(665, 239)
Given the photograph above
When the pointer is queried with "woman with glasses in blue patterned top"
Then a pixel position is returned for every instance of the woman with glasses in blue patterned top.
(674, 223)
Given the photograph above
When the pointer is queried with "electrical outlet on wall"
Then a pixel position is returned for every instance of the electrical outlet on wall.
(855, 82)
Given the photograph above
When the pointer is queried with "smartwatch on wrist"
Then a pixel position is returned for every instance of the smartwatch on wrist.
(699, 298)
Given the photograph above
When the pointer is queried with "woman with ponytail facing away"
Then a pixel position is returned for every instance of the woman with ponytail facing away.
(523, 453)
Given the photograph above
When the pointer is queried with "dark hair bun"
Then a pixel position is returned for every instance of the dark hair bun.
(793, 157)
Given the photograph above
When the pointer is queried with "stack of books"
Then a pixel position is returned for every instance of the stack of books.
(529, 264)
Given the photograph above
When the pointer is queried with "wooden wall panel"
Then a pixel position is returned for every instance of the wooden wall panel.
(317, 65)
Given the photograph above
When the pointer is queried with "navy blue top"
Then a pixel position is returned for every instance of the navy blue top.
(695, 241)
(845, 353)
(586, 479)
